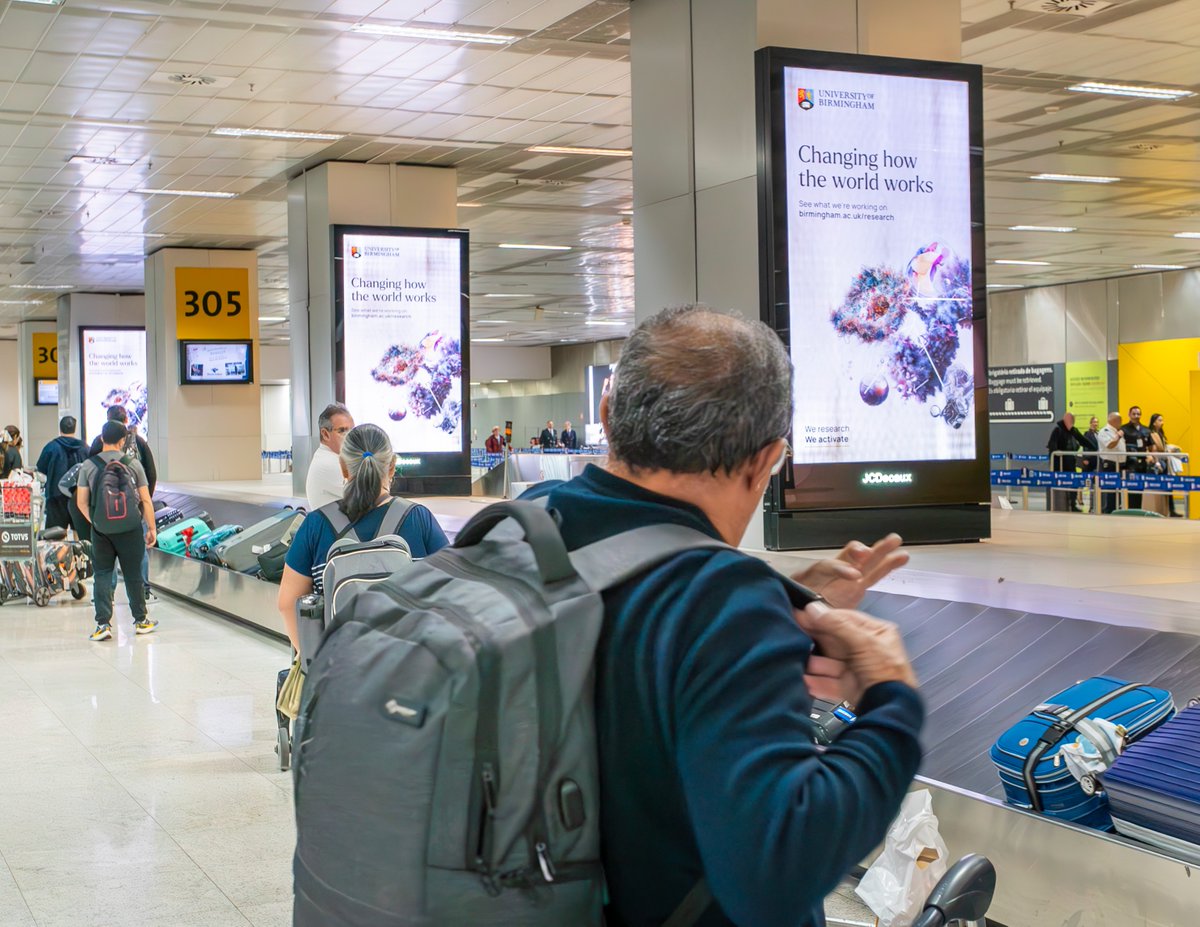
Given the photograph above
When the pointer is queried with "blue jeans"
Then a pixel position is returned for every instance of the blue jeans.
(107, 551)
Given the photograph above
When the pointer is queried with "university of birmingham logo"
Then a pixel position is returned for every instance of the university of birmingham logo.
(355, 251)
(806, 98)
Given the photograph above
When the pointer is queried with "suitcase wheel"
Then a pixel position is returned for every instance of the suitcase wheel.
(1089, 785)
(77, 591)
(283, 748)
(41, 597)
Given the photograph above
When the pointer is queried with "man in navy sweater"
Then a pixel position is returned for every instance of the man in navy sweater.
(705, 672)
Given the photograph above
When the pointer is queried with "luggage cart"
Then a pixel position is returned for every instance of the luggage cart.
(960, 899)
(36, 564)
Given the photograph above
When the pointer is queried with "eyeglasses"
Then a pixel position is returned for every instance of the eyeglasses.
(342, 431)
(783, 456)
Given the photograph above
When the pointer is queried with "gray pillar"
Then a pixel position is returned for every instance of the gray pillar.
(337, 193)
(695, 164)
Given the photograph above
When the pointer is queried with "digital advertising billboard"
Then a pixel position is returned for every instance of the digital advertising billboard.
(209, 362)
(872, 225)
(401, 329)
(113, 372)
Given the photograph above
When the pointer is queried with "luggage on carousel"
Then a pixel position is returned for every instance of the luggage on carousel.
(174, 540)
(165, 517)
(1154, 787)
(204, 545)
(238, 553)
(1027, 755)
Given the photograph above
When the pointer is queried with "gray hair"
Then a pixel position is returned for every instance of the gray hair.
(697, 391)
(325, 419)
(371, 462)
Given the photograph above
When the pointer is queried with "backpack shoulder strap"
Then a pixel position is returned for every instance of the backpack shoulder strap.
(337, 520)
(394, 518)
(608, 563)
(695, 903)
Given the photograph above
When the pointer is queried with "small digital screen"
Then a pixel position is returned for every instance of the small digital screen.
(216, 362)
(47, 393)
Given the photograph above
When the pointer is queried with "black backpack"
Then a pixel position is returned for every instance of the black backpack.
(115, 504)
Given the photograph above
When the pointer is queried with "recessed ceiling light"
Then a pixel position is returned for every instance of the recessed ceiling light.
(1187, 234)
(444, 35)
(605, 322)
(508, 295)
(470, 205)
(1168, 94)
(474, 382)
(287, 134)
(1004, 286)
(1075, 178)
(43, 286)
(42, 2)
(1025, 263)
(100, 161)
(499, 381)
(493, 322)
(537, 247)
(571, 149)
(21, 302)
(208, 194)
(272, 318)
(1160, 267)
(486, 340)
(1041, 228)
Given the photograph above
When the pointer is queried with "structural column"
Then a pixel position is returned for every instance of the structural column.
(337, 193)
(37, 363)
(695, 165)
(207, 431)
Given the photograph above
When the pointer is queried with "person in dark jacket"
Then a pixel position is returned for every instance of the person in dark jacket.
(549, 437)
(1064, 438)
(568, 438)
(1137, 449)
(138, 448)
(705, 673)
(57, 457)
(10, 451)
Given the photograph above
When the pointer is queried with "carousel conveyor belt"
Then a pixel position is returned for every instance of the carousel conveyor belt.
(983, 668)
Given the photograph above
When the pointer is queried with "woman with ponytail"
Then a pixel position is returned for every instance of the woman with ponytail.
(368, 464)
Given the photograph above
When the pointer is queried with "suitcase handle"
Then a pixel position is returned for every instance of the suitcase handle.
(1056, 732)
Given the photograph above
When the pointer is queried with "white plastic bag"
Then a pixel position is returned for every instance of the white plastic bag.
(912, 861)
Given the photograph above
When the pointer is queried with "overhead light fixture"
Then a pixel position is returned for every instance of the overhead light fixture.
(272, 318)
(493, 322)
(21, 302)
(1168, 94)
(42, 2)
(443, 35)
(101, 161)
(572, 149)
(1041, 228)
(605, 322)
(1075, 178)
(499, 381)
(43, 286)
(207, 194)
(470, 205)
(475, 383)
(486, 340)
(537, 247)
(1160, 267)
(286, 134)
(1187, 234)
(1024, 263)
(1004, 286)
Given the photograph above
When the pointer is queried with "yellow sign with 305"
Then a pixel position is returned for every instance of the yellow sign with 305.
(212, 303)
(45, 355)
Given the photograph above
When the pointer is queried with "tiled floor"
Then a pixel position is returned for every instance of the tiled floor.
(139, 779)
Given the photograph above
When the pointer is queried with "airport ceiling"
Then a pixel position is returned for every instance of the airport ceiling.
(137, 88)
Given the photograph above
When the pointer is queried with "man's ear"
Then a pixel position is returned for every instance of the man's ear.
(758, 468)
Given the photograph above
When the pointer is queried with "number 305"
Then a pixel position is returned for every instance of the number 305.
(212, 304)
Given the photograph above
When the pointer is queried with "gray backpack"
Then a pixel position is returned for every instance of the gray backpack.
(351, 566)
(445, 763)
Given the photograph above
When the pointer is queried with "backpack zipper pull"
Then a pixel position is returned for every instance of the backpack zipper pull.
(547, 867)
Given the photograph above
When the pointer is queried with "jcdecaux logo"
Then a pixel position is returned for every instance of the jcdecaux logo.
(879, 478)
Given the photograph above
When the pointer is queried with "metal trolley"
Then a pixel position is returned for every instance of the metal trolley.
(28, 570)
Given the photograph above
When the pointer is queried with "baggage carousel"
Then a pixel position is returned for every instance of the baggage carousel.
(986, 653)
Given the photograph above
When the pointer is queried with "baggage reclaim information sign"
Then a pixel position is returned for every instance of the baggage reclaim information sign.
(1021, 394)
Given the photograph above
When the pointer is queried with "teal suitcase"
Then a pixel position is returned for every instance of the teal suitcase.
(173, 541)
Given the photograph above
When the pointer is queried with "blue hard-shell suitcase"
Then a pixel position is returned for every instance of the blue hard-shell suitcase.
(1027, 754)
(203, 545)
(1154, 787)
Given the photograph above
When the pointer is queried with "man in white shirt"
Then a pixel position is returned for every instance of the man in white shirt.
(1111, 440)
(325, 481)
